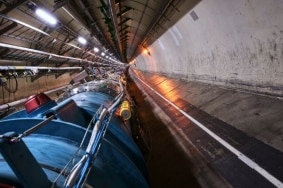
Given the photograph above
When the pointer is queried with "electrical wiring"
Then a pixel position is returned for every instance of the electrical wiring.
(8, 88)
(3, 95)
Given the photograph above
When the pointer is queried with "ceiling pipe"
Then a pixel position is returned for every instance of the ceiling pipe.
(38, 52)
(24, 24)
(49, 54)
(94, 26)
(39, 68)
(46, 34)
(9, 61)
(67, 8)
(114, 19)
(40, 31)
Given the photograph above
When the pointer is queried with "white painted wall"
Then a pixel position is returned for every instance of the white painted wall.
(236, 43)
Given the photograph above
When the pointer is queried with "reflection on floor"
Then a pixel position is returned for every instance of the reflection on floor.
(183, 155)
(169, 164)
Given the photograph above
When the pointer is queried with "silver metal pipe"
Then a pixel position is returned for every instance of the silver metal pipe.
(36, 127)
(39, 68)
(40, 52)
(95, 130)
(49, 54)
(75, 172)
(24, 24)
(9, 61)
(21, 101)
(46, 34)
(11, 104)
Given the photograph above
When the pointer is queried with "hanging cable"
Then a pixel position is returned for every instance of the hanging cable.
(9, 88)
(3, 95)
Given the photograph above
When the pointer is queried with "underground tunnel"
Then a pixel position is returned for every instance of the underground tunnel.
(141, 93)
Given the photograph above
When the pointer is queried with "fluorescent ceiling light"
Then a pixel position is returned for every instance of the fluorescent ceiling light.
(69, 13)
(46, 16)
(96, 49)
(82, 40)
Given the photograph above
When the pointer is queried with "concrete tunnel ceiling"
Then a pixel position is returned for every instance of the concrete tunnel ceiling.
(120, 28)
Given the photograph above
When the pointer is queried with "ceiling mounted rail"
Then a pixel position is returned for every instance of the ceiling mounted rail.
(38, 68)
(49, 42)
(114, 20)
(84, 14)
(49, 55)
(24, 24)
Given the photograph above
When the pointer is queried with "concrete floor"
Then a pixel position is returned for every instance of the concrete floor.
(169, 165)
(182, 156)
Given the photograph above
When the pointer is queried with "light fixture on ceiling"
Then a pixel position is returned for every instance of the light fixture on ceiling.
(82, 40)
(103, 54)
(47, 17)
(95, 49)
(145, 50)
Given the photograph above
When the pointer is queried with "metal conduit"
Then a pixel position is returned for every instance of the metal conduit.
(21, 101)
(48, 54)
(38, 52)
(44, 33)
(114, 19)
(24, 24)
(95, 27)
(39, 68)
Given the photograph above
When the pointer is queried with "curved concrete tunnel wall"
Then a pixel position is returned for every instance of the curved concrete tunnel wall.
(233, 43)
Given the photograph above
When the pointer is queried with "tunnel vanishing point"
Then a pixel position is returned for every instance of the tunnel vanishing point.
(209, 71)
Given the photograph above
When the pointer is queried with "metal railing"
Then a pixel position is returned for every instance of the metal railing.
(79, 173)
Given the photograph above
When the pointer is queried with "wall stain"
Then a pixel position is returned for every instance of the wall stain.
(255, 65)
